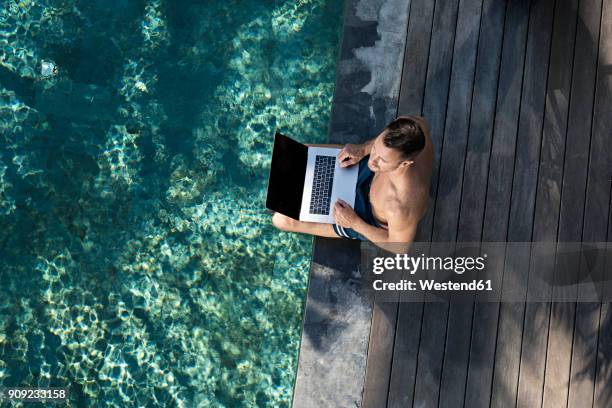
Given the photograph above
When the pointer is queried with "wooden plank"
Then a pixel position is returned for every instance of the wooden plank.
(571, 216)
(380, 354)
(447, 210)
(408, 327)
(603, 370)
(436, 95)
(431, 347)
(481, 121)
(520, 223)
(598, 198)
(562, 316)
(535, 362)
(497, 204)
(416, 56)
(484, 317)
(457, 383)
(473, 197)
(456, 354)
(384, 314)
(584, 355)
(405, 352)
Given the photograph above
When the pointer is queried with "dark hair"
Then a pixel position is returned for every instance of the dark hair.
(405, 135)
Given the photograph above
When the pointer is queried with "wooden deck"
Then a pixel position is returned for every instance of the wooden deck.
(518, 95)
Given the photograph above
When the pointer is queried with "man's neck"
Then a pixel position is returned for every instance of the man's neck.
(400, 172)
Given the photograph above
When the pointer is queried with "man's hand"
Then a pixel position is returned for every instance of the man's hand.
(351, 154)
(344, 215)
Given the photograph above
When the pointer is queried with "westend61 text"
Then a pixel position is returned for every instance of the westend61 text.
(430, 284)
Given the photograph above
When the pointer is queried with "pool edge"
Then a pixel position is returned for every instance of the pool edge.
(337, 316)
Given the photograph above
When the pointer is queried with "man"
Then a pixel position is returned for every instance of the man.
(392, 188)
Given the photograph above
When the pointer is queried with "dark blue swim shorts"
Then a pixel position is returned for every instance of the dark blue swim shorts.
(362, 202)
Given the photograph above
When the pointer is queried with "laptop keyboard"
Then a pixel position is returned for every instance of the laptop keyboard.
(322, 183)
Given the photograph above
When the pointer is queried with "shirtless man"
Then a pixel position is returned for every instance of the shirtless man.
(392, 188)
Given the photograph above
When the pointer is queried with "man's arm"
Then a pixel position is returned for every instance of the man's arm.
(367, 146)
(353, 153)
(350, 153)
(398, 238)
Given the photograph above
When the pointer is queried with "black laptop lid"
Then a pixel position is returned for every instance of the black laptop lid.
(287, 173)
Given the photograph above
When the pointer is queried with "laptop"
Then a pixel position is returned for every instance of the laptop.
(305, 181)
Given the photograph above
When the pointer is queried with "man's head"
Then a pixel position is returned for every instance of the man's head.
(397, 145)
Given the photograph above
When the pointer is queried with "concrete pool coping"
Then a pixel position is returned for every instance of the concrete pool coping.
(337, 316)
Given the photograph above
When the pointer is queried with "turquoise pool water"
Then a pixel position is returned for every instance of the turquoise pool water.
(138, 265)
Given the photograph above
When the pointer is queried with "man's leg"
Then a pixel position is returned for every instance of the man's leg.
(285, 223)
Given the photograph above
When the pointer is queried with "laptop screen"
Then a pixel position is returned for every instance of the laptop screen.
(287, 173)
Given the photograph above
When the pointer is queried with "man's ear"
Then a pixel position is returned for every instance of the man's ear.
(407, 163)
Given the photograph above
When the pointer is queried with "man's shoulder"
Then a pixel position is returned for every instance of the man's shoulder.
(398, 209)
(408, 206)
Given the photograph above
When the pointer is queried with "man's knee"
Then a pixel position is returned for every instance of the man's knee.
(283, 222)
